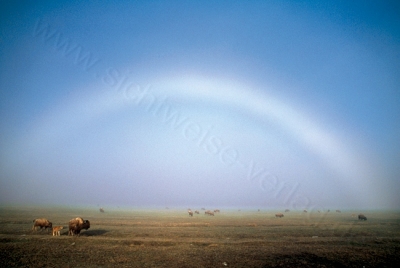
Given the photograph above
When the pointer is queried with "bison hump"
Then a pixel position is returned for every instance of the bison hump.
(77, 220)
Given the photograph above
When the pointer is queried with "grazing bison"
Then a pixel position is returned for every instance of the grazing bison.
(279, 215)
(42, 223)
(305, 210)
(286, 210)
(217, 211)
(362, 217)
(197, 212)
(338, 211)
(190, 213)
(76, 225)
(208, 212)
(102, 210)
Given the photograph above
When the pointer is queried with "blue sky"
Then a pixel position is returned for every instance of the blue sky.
(261, 104)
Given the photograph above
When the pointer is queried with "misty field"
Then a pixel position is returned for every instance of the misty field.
(170, 238)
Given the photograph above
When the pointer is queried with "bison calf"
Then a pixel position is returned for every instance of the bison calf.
(56, 230)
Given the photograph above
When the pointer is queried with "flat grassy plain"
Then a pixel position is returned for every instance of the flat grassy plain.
(170, 238)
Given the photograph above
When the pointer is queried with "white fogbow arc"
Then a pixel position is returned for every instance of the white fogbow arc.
(332, 151)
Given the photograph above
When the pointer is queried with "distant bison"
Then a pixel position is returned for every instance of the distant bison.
(286, 210)
(217, 211)
(197, 212)
(76, 225)
(42, 223)
(208, 212)
(101, 210)
(190, 213)
(279, 215)
(362, 217)
(338, 211)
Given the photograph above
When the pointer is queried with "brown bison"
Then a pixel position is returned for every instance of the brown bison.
(338, 211)
(286, 210)
(190, 213)
(197, 212)
(217, 211)
(208, 212)
(279, 215)
(362, 217)
(76, 225)
(42, 223)
(101, 210)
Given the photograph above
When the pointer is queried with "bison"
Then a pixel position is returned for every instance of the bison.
(362, 217)
(338, 211)
(208, 212)
(217, 211)
(286, 210)
(42, 223)
(190, 213)
(197, 212)
(76, 225)
(56, 230)
(279, 215)
(101, 210)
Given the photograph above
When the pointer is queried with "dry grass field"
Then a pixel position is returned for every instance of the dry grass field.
(170, 238)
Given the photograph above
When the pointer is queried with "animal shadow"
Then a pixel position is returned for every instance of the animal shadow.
(93, 232)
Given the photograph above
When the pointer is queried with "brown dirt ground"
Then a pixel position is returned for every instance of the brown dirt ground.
(170, 238)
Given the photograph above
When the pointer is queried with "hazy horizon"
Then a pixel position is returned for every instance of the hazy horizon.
(222, 104)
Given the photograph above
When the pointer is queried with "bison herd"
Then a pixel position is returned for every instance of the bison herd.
(360, 216)
(74, 226)
(77, 224)
(207, 212)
